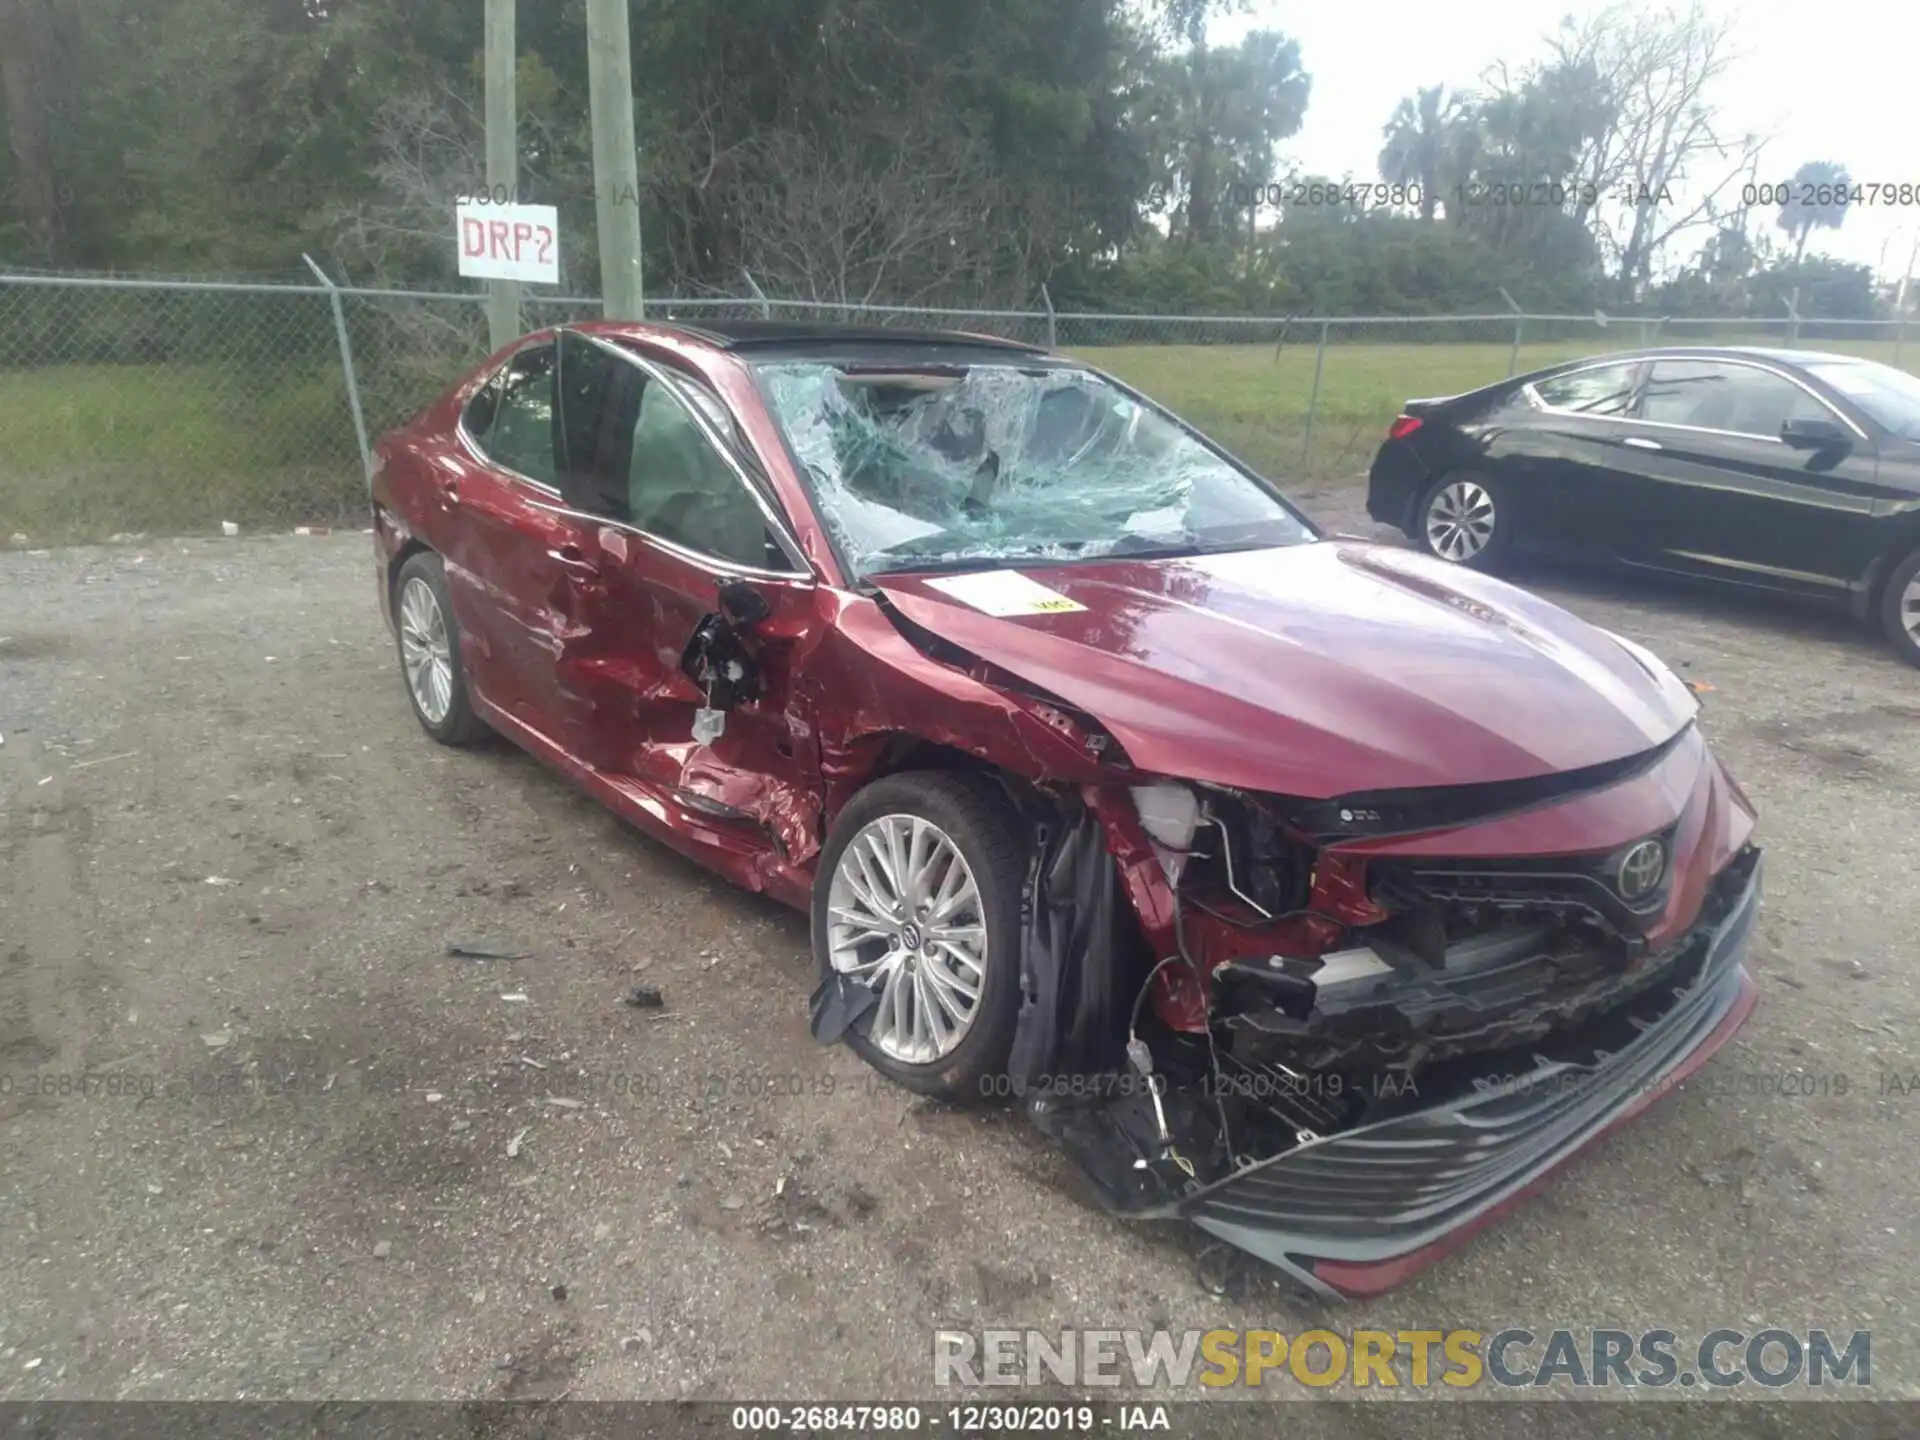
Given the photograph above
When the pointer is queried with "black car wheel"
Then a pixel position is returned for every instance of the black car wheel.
(1461, 518)
(429, 642)
(1900, 609)
(917, 899)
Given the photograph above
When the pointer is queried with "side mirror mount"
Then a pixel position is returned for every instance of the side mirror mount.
(743, 605)
(1814, 434)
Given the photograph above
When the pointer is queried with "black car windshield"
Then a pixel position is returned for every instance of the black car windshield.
(1890, 397)
(965, 465)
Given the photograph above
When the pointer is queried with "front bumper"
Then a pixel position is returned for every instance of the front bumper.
(1356, 1213)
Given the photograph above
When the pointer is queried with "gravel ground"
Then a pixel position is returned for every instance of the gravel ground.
(320, 1156)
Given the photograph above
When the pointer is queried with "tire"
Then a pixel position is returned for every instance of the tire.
(419, 598)
(1900, 609)
(1443, 520)
(979, 826)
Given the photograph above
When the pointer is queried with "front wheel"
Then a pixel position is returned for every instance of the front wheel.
(1900, 609)
(917, 902)
(1463, 518)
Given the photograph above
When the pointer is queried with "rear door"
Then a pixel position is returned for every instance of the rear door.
(1559, 453)
(1714, 490)
(499, 488)
(673, 512)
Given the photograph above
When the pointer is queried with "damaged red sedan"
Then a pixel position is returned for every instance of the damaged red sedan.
(1319, 893)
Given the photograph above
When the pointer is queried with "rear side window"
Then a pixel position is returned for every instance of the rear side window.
(478, 416)
(599, 393)
(522, 436)
(1713, 395)
(1599, 390)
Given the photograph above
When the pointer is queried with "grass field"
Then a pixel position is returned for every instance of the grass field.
(87, 451)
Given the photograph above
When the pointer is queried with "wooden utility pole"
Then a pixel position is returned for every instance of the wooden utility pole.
(503, 159)
(616, 168)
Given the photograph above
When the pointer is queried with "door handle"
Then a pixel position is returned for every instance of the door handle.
(572, 558)
(1641, 443)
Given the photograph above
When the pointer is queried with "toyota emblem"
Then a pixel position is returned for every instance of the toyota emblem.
(1641, 869)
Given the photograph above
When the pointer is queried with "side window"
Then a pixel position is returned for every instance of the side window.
(1714, 396)
(599, 393)
(522, 434)
(478, 416)
(679, 487)
(1602, 390)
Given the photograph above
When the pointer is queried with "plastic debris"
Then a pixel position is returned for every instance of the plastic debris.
(229, 529)
(460, 950)
(513, 1145)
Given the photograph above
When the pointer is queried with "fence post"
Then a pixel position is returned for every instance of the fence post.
(1793, 318)
(1519, 325)
(346, 366)
(1313, 402)
(766, 309)
(1899, 339)
(1053, 334)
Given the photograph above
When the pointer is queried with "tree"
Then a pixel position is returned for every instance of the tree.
(1642, 83)
(35, 75)
(1423, 141)
(1214, 117)
(1816, 199)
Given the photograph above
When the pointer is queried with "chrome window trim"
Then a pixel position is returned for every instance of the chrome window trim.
(692, 556)
(776, 522)
(1534, 397)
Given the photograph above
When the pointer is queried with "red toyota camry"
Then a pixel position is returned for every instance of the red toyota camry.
(1321, 893)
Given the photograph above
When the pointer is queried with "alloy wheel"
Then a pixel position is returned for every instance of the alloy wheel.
(1910, 609)
(905, 917)
(1460, 520)
(425, 651)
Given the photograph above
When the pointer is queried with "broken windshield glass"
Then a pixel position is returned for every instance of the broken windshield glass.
(950, 466)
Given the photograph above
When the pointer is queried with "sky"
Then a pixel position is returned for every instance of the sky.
(1828, 81)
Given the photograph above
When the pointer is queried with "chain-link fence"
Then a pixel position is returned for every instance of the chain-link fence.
(166, 407)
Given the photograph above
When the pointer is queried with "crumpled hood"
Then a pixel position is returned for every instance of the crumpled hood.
(1315, 670)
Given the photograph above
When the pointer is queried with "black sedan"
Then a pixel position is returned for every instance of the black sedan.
(1784, 470)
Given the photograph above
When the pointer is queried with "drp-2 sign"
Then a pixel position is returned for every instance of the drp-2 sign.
(509, 242)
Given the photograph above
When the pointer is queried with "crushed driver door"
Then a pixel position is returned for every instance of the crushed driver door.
(690, 610)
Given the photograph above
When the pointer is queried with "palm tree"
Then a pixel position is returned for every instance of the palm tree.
(1816, 198)
(1419, 136)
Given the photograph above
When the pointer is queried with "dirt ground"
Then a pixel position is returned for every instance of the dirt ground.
(314, 1154)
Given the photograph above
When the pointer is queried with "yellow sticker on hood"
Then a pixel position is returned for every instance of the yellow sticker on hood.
(1004, 593)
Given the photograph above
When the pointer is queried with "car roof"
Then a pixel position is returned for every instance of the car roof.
(798, 338)
(1776, 354)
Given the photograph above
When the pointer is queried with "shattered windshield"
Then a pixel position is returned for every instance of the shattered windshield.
(951, 466)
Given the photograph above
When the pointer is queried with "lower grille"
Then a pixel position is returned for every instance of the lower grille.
(1392, 1187)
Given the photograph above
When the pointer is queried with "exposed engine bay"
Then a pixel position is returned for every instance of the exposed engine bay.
(1307, 994)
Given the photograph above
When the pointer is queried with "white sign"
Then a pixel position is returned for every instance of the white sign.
(509, 242)
(1004, 593)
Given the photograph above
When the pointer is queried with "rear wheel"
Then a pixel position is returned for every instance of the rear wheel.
(917, 898)
(1900, 609)
(429, 643)
(1462, 518)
